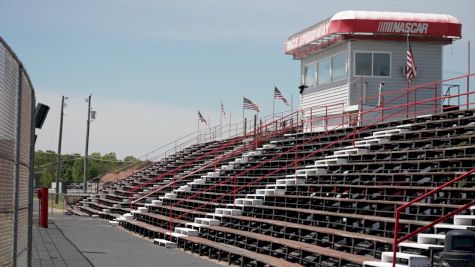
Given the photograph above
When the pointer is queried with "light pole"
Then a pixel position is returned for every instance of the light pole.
(58, 165)
(88, 100)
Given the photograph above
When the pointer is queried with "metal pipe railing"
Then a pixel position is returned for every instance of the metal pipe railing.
(214, 151)
(378, 109)
(397, 215)
(221, 159)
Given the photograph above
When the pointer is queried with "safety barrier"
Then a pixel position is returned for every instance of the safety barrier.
(359, 127)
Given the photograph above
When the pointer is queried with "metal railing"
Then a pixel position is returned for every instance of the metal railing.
(397, 215)
(261, 134)
(364, 125)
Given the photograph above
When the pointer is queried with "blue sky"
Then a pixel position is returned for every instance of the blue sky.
(150, 64)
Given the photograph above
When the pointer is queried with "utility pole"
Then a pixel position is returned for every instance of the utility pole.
(58, 165)
(88, 100)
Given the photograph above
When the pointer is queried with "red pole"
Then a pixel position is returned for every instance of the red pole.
(43, 198)
(234, 192)
(468, 76)
(311, 120)
(407, 100)
(396, 234)
(326, 118)
(171, 223)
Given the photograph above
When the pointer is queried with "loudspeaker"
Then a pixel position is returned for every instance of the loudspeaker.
(41, 112)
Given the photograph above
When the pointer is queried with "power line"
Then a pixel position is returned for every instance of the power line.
(76, 157)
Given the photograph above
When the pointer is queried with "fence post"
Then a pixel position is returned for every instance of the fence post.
(171, 223)
(234, 192)
(311, 119)
(326, 118)
(43, 199)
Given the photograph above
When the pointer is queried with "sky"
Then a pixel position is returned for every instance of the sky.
(151, 64)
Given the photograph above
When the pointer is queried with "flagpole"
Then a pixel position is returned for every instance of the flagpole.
(229, 124)
(243, 120)
(273, 104)
(292, 103)
(198, 137)
(221, 120)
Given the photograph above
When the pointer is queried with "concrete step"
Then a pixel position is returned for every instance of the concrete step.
(270, 192)
(157, 202)
(231, 212)
(348, 152)
(311, 171)
(248, 202)
(421, 246)
(293, 181)
(276, 186)
(255, 196)
(454, 226)
(186, 231)
(413, 260)
(381, 264)
(430, 238)
(214, 216)
(464, 219)
(164, 243)
(387, 133)
(207, 221)
(327, 162)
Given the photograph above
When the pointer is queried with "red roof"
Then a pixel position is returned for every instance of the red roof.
(379, 25)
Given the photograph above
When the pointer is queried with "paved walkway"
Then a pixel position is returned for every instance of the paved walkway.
(52, 248)
(84, 241)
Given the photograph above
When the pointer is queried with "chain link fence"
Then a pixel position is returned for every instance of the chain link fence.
(17, 102)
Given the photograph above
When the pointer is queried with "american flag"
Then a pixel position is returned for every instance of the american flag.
(248, 104)
(411, 71)
(278, 95)
(223, 113)
(201, 118)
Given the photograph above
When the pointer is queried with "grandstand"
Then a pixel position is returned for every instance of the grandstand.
(375, 180)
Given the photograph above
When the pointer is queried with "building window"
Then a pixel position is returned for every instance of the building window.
(324, 74)
(310, 72)
(372, 64)
(339, 67)
(331, 69)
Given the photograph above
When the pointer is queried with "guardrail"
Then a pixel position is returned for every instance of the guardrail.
(397, 215)
(363, 125)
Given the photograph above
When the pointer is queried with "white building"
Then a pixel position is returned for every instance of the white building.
(345, 58)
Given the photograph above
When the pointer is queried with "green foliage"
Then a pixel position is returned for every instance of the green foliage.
(72, 166)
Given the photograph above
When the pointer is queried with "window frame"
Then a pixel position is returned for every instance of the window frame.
(347, 66)
(304, 73)
(372, 52)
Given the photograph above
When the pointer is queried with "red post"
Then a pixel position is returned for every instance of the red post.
(407, 99)
(326, 118)
(311, 120)
(234, 192)
(43, 198)
(468, 76)
(415, 103)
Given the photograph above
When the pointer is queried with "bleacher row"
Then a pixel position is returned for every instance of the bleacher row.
(335, 206)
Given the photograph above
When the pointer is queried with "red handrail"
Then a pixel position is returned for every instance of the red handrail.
(397, 215)
(279, 169)
(189, 163)
(232, 142)
(219, 160)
